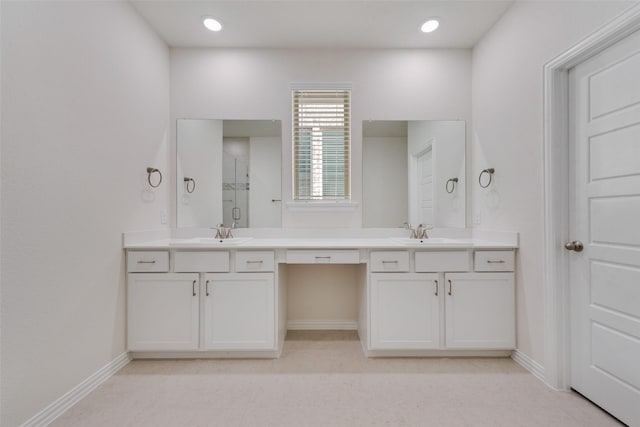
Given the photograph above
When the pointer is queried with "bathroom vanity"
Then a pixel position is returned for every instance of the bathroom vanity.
(203, 297)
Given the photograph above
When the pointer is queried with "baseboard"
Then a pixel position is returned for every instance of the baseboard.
(344, 325)
(438, 353)
(529, 364)
(59, 406)
(207, 354)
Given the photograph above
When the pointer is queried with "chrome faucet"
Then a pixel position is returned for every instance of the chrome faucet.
(223, 232)
(421, 232)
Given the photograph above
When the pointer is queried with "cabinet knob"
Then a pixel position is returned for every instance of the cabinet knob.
(450, 287)
(206, 287)
(193, 288)
(436, 283)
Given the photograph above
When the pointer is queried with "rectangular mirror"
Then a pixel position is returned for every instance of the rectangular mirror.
(228, 171)
(413, 171)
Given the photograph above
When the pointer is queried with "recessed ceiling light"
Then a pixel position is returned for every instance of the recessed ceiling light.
(211, 24)
(430, 25)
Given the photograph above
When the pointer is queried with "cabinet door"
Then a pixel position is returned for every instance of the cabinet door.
(405, 311)
(239, 311)
(162, 311)
(480, 310)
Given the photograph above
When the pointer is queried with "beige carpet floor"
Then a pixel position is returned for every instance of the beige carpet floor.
(323, 379)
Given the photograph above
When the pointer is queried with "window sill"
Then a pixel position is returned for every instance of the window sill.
(322, 206)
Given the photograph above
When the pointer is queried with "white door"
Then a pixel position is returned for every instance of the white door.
(405, 311)
(605, 217)
(239, 311)
(425, 187)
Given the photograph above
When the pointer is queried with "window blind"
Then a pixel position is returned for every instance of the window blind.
(321, 144)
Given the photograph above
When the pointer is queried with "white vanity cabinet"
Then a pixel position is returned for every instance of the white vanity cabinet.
(239, 311)
(414, 299)
(447, 300)
(405, 311)
(480, 311)
(199, 302)
(162, 311)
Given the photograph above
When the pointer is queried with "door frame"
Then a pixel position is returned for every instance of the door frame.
(556, 190)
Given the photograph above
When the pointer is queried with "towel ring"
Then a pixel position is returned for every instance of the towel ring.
(149, 172)
(489, 172)
(453, 182)
(190, 181)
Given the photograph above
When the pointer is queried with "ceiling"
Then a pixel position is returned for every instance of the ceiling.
(322, 24)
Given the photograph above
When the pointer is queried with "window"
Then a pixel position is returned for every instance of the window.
(321, 135)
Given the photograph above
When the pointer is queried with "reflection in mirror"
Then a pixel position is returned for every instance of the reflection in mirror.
(409, 173)
(235, 166)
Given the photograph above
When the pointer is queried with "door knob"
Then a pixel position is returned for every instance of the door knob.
(576, 245)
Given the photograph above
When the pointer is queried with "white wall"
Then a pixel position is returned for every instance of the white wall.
(255, 84)
(507, 134)
(85, 103)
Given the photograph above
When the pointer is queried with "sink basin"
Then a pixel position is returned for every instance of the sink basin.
(431, 241)
(210, 241)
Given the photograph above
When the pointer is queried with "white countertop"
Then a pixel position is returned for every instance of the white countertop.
(243, 243)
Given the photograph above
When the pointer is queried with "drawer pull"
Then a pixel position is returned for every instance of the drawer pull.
(255, 262)
(450, 287)
(323, 257)
(436, 283)
(206, 287)
(390, 262)
(147, 262)
(193, 288)
(495, 262)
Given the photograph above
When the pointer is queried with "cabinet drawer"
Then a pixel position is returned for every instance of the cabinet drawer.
(247, 261)
(397, 261)
(494, 261)
(147, 261)
(442, 261)
(323, 257)
(203, 261)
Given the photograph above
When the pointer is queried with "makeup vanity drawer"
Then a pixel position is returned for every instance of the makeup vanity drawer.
(494, 261)
(391, 261)
(435, 261)
(323, 257)
(248, 261)
(201, 261)
(147, 261)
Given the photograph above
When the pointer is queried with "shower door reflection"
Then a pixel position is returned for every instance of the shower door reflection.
(235, 181)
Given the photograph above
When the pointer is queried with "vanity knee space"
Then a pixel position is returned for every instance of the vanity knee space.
(444, 300)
